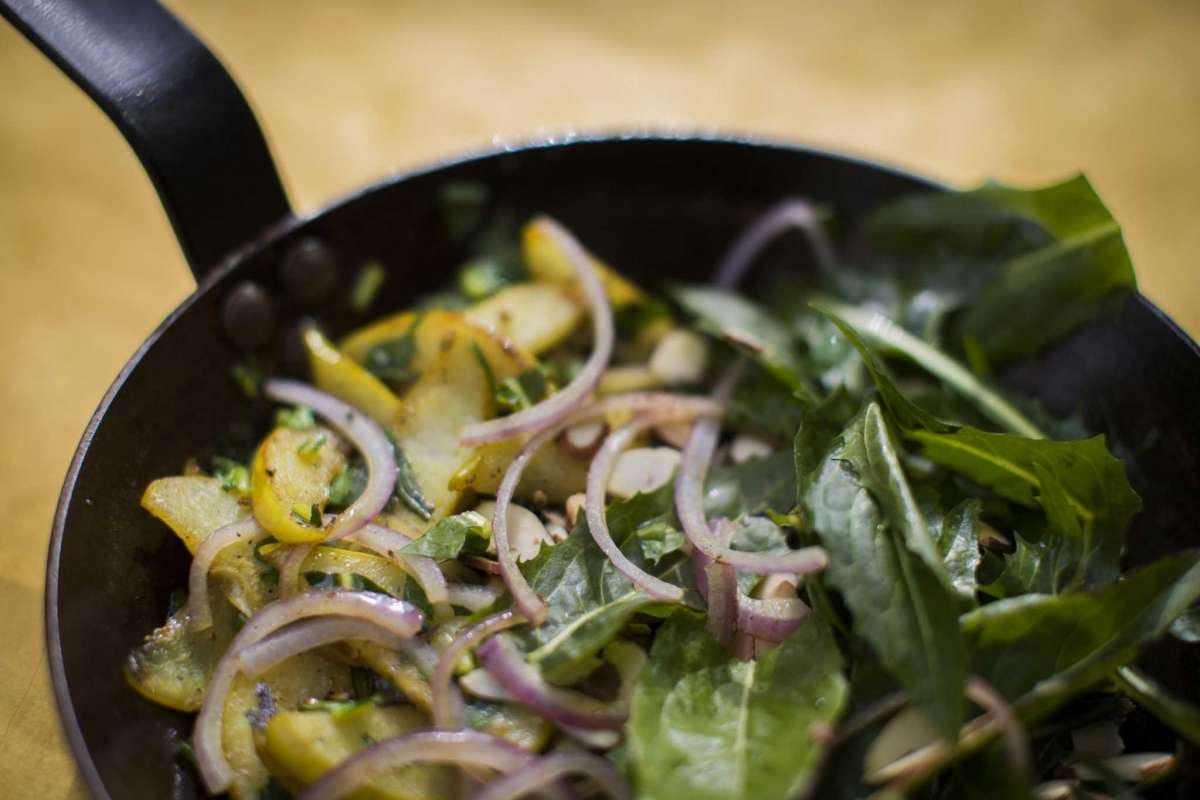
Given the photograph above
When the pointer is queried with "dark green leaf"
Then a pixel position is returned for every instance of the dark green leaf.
(1039, 650)
(467, 532)
(958, 542)
(1092, 481)
(522, 391)
(590, 602)
(348, 484)
(752, 487)
(1180, 715)
(408, 489)
(1044, 294)
(659, 539)
(885, 564)
(706, 725)
(392, 360)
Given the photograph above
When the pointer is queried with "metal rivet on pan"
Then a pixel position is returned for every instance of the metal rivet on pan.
(309, 270)
(248, 316)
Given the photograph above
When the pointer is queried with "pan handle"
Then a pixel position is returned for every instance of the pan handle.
(177, 107)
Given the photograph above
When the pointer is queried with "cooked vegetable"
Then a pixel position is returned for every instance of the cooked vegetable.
(845, 563)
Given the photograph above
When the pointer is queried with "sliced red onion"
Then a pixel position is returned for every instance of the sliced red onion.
(772, 620)
(362, 432)
(541, 773)
(464, 748)
(721, 582)
(471, 597)
(389, 544)
(290, 580)
(199, 607)
(597, 482)
(501, 658)
(656, 405)
(800, 562)
(792, 213)
(559, 405)
(395, 616)
(446, 700)
(310, 634)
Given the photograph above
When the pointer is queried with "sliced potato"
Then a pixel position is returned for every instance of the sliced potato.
(173, 665)
(344, 378)
(546, 262)
(533, 316)
(250, 703)
(553, 471)
(629, 378)
(341, 561)
(301, 746)
(240, 577)
(193, 506)
(285, 481)
(452, 391)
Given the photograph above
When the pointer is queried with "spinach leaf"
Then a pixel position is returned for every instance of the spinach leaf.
(659, 539)
(706, 725)
(1092, 482)
(885, 564)
(590, 601)
(764, 406)
(1044, 294)
(1180, 715)
(467, 532)
(1039, 650)
(958, 542)
(751, 487)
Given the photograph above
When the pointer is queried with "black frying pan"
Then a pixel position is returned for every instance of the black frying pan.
(657, 206)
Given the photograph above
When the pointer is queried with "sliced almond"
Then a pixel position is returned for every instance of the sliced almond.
(1055, 790)
(777, 587)
(593, 739)
(641, 470)
(574, 505)
(675, 434)
(746, 447)
(583, 440)
(680, 357)
(480, 683)
(903, 735)
(994, 540)
(526, 533)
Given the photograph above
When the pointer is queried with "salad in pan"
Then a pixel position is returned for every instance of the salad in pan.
(553, 533)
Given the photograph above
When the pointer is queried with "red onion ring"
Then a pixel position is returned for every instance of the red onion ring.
(389, 544)
(395, 616)
(472, 598)
(597, 483)
(464, 748)
(309, 634)
(362, 432)
(501, 658)
(771, 620)
(446, 700)
(660, 406)
(199, 606)
(540, 773)
(290, 568)
(559, 405)
(791, 213)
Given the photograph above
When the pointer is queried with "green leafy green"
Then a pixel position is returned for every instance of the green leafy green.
(762, 405)
(659, 539)
(751, 487)
(468, 532)
(348, 484)
(958, 542)
(408, 488)
(1187, 627)
(886, 566)
(1180, 715)
(392, 360)
(299, 418)
(1092, 482)
(522, 391)
(1039, 650)
(590, 601)
(706, 725)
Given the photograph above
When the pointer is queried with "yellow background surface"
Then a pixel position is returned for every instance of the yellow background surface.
(350, 91)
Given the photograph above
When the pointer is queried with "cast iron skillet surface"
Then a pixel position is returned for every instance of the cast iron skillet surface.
(657, 207)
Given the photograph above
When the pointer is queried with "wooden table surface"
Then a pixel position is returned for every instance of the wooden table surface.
(350, 91)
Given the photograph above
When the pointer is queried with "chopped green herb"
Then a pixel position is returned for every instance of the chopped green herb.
(299, 418)
(307, 515)
(249, 377)
(234, 476)
(468, 532)
(524, 390)
(310, 447)
(408, 488)
(484, 365)
(391, 360)
(366, 286)
(347, 485)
